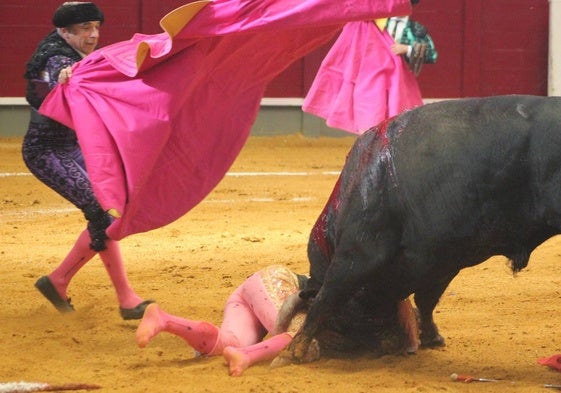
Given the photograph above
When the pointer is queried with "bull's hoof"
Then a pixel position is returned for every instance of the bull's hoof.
(300, 350)
(434, 341)
(313, 352)
(283, 359)
(430, 336)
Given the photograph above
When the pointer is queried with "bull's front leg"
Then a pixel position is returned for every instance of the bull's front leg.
(351, 267)
(304, 348)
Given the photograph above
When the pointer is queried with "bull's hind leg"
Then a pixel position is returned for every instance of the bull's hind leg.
(426, 300)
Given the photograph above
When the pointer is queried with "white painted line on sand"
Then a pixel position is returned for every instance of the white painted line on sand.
(33, 212)
(14, 174)
(242, 174)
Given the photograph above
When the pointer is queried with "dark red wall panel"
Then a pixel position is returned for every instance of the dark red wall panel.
(444, 20)
(505, 47)
(515, 44)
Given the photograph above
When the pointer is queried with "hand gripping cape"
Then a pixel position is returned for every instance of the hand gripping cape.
(160, 118)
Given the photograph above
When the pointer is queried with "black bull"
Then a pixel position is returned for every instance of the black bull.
(428, 193)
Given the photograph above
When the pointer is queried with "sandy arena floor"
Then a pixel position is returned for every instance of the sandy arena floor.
(496, 325)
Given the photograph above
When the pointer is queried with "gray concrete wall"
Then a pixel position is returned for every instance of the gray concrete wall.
(271, 120)
(279, 120)
(13, 120)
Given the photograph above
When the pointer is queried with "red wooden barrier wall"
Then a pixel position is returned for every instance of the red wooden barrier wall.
(485, 47)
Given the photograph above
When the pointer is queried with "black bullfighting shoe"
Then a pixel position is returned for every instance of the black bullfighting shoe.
(47, 289)
(136, 312)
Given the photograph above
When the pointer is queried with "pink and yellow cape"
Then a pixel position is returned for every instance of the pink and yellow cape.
(161, 118)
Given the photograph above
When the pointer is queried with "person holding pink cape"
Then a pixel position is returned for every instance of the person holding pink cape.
(362, 80)
(52, 153)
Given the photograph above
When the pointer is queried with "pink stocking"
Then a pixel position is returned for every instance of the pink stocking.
(408, 321)
(202, 336)
(78, 256)
(240, 359)
(115, 267)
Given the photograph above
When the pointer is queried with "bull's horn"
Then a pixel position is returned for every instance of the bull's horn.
(291, 305)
